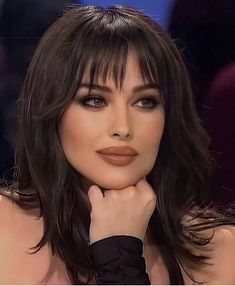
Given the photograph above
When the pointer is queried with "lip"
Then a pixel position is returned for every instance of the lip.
(118, 160)
(121, 151)
(118, 156)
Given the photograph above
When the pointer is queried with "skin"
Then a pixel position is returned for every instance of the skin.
(121, 119)
(21, 230)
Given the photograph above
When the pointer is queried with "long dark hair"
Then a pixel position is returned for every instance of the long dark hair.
(97, 40)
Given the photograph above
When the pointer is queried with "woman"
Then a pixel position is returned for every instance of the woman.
(112, 161)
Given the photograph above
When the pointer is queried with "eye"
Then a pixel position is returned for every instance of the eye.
(93, 101)
(148, 102)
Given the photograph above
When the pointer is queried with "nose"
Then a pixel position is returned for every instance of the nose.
(120, 125)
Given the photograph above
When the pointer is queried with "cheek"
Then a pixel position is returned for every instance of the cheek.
(149, 134)
(74, 128)
(152, 134)
(79, 133)
(151, 138)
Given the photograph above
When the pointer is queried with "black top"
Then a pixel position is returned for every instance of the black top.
(118, 260)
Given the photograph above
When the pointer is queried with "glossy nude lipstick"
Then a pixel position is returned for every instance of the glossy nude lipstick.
(119, 156)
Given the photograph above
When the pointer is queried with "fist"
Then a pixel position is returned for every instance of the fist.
(121, 212)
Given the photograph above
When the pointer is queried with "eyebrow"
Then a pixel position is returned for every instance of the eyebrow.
(145, 86)
(107, 89)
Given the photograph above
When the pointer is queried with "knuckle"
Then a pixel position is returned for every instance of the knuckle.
(131, 191)
(113, 194)
(92, 190)
(152, 202)
(151, 197)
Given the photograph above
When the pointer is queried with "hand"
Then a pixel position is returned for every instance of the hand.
(121, 212)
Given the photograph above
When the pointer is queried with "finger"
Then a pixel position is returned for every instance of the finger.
(142, 183)
(95, 194)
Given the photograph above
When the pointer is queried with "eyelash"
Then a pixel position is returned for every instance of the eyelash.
(86, 99)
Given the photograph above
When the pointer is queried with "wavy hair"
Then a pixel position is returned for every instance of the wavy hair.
(97, 40)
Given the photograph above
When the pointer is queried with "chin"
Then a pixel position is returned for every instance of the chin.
(112, 185)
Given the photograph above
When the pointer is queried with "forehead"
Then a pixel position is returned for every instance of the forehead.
(129, 76)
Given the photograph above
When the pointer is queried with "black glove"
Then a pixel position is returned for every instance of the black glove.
(118, 260)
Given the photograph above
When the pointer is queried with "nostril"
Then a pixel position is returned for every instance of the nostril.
(122, 135)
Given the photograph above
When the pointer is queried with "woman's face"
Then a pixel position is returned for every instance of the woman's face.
(105, 116)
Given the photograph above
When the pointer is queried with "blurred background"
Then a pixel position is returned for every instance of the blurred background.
(203, 30)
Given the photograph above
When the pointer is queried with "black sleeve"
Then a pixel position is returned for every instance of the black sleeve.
(118, 260)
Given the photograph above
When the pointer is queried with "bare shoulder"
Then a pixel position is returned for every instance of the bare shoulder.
(16, 223)
(18, 233)
(6, 207)
(221, 262)
(21, 230)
